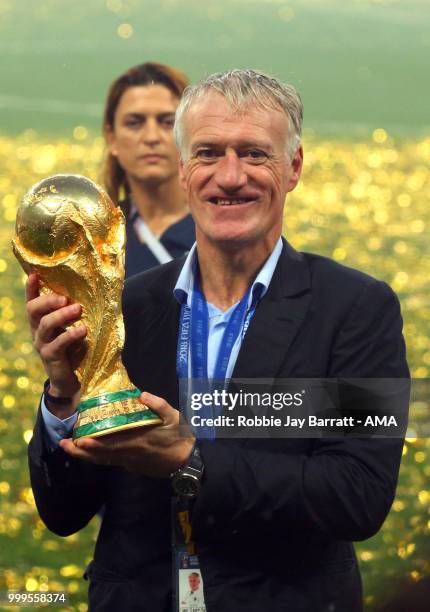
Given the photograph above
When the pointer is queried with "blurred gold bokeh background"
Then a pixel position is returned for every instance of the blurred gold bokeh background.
(365, 204)
(364, 200)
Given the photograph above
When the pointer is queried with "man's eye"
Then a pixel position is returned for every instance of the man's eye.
(207, 154)
(255, 155)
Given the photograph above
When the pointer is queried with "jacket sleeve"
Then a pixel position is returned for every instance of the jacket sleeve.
(340, 488)
(68, 492)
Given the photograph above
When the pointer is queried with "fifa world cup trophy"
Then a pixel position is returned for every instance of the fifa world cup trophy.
(70, 233)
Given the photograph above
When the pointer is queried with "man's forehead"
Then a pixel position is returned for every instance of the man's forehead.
(213, 117)
(216, 105)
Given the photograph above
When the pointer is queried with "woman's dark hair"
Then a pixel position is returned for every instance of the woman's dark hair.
(149, 73)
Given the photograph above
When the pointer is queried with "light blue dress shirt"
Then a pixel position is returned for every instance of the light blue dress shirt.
(218, 319)
(57, 429)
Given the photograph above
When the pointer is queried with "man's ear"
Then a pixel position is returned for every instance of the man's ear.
(296, 169)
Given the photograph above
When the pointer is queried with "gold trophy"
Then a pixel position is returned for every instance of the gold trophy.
(70, 233)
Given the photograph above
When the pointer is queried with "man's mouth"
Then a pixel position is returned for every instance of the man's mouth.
(230, 201)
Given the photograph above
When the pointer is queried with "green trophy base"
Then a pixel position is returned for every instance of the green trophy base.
(112, 412)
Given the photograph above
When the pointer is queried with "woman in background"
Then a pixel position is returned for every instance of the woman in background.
(141, 167)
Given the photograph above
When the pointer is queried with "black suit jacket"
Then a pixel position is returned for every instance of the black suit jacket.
(275, 519)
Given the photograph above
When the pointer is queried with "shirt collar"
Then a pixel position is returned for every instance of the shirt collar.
(184, 286)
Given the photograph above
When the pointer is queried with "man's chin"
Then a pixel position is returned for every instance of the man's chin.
(232, 242)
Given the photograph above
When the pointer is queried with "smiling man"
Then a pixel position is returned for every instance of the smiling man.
(236, 170)
(271, 521)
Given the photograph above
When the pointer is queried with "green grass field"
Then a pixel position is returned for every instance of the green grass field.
(358, 65)
(364, 200)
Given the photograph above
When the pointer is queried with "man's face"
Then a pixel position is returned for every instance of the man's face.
(237, 173)
(194, 582)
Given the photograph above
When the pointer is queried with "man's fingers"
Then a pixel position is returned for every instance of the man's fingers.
(95, 444)
(100, 458)
(159, 405)
(32, 287)
(56, 349)
(69, 447)
(114, 442)
(53, 321)
(42, 305)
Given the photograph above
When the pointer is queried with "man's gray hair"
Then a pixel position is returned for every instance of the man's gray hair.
(245, 89)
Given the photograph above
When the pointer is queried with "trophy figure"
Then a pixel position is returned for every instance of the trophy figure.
(70, 233)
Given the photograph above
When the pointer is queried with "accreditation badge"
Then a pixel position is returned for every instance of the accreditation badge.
(187, 578)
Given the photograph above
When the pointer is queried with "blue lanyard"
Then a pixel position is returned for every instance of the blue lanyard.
(194, 329)
(194, 332)
(199, 332)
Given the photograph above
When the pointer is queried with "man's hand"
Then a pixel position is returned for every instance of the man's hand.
(48, 315)
(155, 451)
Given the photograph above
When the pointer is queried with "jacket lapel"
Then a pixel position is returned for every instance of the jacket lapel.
(164, 375)
(277, 318)
(154, 356)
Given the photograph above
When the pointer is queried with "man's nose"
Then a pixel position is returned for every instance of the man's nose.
(151, 132)
(230, 174)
